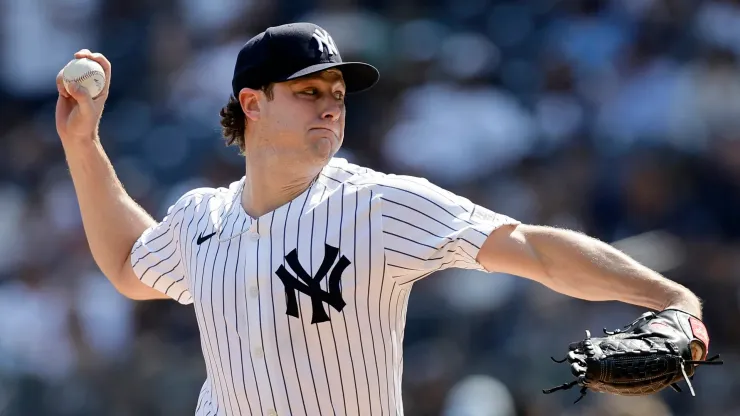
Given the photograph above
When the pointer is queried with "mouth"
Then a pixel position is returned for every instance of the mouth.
(333, 133)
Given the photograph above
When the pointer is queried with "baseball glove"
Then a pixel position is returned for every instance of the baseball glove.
(655, 351)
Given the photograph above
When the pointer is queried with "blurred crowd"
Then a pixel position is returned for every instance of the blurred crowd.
(617, 118)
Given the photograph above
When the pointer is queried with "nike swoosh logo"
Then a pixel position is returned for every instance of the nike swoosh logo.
(202, 238)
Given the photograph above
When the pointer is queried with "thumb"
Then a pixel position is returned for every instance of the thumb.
(83, 98)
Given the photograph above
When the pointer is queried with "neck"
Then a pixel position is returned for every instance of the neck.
(269, 185)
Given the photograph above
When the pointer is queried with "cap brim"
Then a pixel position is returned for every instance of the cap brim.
(358, 76)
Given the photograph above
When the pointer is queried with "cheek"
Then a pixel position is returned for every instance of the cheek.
(291, 118)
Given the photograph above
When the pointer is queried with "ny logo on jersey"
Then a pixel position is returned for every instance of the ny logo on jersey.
(323, 38)
(311, 286)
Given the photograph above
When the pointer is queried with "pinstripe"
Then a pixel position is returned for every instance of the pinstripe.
(287, 318)
(236, 322)
(204, 344)
(300, 313)
(394, 347)
(415, 226)
(412, 256)
(357, 317)
(180, 250)
(369, 289)
(154, 285)
(399, 359)
(346, 331)
(201, 397)
(331, 321)
(404, 268)
(166, 291)
(259, 314)
(382, 337)
(329, 177)
(318, 334)
(274, 322)
(143, 275)
(410, 240)
(187, 231)
(220, 362)
(422, 213)
(209, 346)
(249, 343)
(453, 261)
(402, 319)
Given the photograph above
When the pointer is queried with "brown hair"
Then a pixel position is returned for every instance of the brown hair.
(233, 120)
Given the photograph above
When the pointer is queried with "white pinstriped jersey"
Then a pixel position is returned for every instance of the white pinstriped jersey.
(302, 310)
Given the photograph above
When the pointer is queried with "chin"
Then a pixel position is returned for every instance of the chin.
(324, 148)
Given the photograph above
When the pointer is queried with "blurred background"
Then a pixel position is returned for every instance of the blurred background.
(617, 118)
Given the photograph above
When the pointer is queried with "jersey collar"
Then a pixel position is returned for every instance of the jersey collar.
(234, 221)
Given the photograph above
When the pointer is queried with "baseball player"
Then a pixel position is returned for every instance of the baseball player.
(300, 271)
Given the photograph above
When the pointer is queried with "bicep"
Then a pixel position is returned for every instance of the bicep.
(508, 250)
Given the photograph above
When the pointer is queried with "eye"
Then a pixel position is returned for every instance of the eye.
(339, 95)
(310, 91)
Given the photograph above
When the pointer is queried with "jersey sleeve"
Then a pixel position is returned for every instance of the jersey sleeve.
(156, 256)
(427, 228)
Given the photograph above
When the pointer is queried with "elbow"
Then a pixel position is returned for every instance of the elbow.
(542, 266)
(513, 250)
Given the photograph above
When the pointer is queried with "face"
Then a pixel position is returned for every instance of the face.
(304, 120)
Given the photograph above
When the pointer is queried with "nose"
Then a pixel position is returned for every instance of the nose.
(332, 109)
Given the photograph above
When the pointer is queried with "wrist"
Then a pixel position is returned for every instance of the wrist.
(80, 144)
(686, 302)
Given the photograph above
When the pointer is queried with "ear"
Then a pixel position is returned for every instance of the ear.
(250, 103)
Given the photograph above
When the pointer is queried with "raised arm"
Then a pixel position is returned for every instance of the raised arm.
(582, 267)
(111, 219)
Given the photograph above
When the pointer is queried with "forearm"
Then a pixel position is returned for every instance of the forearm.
(111, 219)
(586, 268)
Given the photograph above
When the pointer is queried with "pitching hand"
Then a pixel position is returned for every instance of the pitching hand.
(77, 113)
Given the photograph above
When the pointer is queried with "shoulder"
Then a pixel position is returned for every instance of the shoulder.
(339, 171)
(212, 197)
(392, 187)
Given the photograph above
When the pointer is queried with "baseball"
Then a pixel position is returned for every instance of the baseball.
(87, 73)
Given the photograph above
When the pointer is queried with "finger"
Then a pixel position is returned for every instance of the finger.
(105, 63)
(60, 85)
(83, 98)
(83, 53)
(63, 108)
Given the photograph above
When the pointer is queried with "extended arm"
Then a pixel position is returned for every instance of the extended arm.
(112, 220)
(579, 266)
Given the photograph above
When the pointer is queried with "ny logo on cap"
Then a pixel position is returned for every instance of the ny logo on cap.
(323, 38)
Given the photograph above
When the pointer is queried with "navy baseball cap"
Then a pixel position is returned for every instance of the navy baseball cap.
(294, 50)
